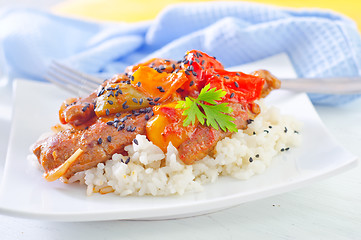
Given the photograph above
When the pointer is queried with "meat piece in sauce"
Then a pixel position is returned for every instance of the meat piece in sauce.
(99, 141)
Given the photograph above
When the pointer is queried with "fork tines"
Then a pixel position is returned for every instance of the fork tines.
(72, 80)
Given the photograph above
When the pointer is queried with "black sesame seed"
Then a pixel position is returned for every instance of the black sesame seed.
(110, 102)
(266, 131)
(121, 127)
(187, 73)
(101, 91)
(139, 83)
(238, 74)
(202, 62)
(236, 84)
(250, 159)
(186, 62)
(282, 149)
(296, 132)
(269, 126)
(135, 141)
(160, 88)
(110, 123)
(118, 114)
(133, 129)
(129, 128)
(152, 103)
(85, 108)
(156, 99)
(135, 100)
(141, 101)
(123, 119)
(124, 105)
(285, 130)
(100, 141)
(249, 121)
(110, 94)
(226, 77)
(109, 138)
(127, 161)
(107, 112)
(287, 148)
(197, 60)
(194, 73)
(146, 117)
(254, 133)
(150, 99)
(173, 66)
(119, 91)
(232, 95)
(161, 67)
(148, 109)
(257, 156)
(191, 83)
(158, 70)
(131, 77)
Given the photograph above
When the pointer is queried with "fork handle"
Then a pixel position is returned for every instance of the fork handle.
(341, 85)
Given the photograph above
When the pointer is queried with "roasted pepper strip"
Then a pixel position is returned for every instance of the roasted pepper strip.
(156, 85)
(167, 126)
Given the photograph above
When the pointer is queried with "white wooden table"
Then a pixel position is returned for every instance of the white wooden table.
(330, 209)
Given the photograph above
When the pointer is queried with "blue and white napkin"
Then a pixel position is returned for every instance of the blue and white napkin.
(319, 43)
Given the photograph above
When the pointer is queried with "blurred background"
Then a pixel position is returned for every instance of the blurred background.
(139, 10)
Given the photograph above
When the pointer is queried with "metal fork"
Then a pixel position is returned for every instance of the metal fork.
(82, 84)
(71, 80)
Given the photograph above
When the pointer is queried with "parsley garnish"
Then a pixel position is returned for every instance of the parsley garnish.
(214, 114)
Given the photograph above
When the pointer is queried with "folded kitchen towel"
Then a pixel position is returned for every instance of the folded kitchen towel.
(319, 43)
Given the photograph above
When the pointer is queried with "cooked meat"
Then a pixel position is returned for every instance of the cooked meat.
(271, 82)
(204, 139)
(99, 142)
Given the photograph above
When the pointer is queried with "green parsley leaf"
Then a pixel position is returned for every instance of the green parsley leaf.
(213, 114)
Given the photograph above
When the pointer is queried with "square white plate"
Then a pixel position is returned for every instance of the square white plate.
(25, 193)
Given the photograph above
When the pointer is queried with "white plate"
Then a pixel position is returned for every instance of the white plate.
(25, 193)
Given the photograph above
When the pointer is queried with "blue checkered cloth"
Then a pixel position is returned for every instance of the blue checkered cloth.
(319, 43)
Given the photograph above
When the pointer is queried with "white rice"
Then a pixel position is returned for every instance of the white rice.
(152, 172)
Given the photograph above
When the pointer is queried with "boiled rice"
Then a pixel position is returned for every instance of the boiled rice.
(152, 172)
